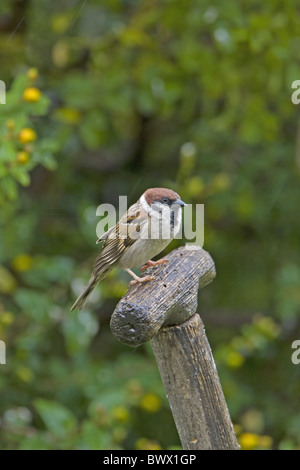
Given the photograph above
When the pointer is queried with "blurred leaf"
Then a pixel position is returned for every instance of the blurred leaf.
(57, 418)
(34, 304)
(35, 442)
(79, 329)
(93, 437)
(7, 281)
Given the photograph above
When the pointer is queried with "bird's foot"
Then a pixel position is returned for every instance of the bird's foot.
(137, 279)
(154, 263)
(142, 279)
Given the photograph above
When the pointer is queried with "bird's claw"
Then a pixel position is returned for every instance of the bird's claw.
(142, 279)
(151, 264)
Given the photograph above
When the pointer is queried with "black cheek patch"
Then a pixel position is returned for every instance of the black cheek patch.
(172, 217)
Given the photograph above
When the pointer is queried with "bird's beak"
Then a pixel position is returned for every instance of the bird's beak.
(180, 202)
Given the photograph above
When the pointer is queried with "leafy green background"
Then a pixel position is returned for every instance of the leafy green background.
(192, 95)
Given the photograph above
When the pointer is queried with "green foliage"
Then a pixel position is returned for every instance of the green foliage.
(114, 97)
(19, 151)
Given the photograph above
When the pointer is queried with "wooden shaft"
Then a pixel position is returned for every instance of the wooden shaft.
(192, 385)
(163, 311)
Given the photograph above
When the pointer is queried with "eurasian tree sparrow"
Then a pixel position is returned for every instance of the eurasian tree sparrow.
(143, 231)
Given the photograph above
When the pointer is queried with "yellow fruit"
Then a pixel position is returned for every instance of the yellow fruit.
(266, 442)
(32, 73)
(248, 441)
(10, 124)
(221, 182)
(120, 413)
(70, 115)
(7, 282)
(32, 94)
(27, 135)
(147, 444)
(22, 157)
(195, 186)
(22, 262)
(151, 402)
(235, 360)
(7, 318)
(25, 374)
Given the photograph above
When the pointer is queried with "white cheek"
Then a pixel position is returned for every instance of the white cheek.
(159, 211)
(144, 204)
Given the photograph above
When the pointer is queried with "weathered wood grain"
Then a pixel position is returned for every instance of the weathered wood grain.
(163, 311)
(193, 388)
(168, 300)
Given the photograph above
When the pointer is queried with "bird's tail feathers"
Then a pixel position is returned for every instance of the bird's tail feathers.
(95, 278)
(79, 303)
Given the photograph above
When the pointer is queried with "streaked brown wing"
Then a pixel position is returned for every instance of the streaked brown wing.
(118, 239)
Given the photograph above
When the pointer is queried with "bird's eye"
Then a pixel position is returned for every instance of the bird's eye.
(165, 200)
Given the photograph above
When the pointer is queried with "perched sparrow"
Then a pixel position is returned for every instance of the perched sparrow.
(144, 231)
